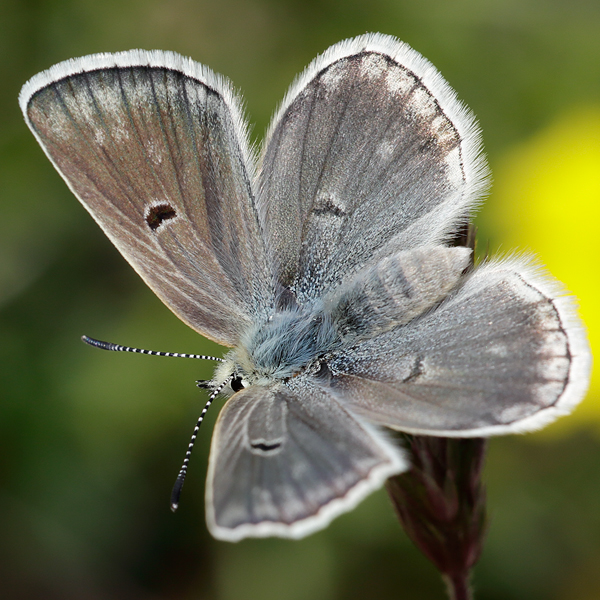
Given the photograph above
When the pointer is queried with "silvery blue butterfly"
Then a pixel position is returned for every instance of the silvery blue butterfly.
(325, 264)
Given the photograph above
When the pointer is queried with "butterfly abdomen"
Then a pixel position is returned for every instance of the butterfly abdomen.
(396, 290)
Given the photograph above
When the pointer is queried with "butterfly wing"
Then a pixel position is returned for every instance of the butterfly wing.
(370, 154)
(155, 148)
(504, 353)
(285, 461)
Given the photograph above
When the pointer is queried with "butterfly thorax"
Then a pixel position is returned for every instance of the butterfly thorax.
(289, 342)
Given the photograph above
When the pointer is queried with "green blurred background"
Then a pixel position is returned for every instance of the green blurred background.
(91, 441)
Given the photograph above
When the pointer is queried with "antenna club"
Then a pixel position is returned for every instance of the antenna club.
(177, 491)
(99, 344)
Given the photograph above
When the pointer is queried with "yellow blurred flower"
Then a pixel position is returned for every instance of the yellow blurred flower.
(547, 200)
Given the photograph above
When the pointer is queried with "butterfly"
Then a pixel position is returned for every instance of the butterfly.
(325, 264)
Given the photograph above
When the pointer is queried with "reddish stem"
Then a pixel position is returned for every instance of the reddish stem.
(457, 586)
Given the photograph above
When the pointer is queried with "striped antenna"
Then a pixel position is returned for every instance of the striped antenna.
(186, 461)
(119, 348)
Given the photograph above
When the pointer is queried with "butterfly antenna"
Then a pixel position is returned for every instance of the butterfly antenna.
(186, 461)
(118, 348)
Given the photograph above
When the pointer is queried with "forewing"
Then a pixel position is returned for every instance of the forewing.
(370, 154)
(505, 353)
(154, 146)
(284, 462)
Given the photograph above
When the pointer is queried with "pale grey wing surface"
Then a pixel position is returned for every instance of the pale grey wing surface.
(284, 462)
(370, 154)
(504, 353)
(154, 147)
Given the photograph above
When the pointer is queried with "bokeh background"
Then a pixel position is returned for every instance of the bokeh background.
(90, 442)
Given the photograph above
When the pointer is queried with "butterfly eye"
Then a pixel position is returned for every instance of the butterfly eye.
(237, 384)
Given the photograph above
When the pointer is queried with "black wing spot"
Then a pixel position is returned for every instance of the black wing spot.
(264, 447)
(159, 213)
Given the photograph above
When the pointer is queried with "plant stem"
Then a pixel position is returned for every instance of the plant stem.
(457, 586)
(440, 503)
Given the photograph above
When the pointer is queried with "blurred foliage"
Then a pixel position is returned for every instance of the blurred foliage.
(92, 441)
